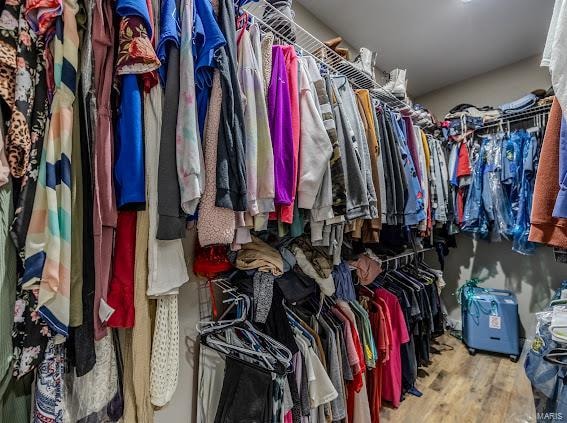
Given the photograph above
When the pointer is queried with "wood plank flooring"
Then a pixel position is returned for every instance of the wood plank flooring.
(460, 388)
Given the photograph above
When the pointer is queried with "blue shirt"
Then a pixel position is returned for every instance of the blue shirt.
(414, 211)
(129, 168)
(135, 8)
(560, 209)
(207, 38)
(170, 30)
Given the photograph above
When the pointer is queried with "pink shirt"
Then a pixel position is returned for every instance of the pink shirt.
(353, 359)
(392, 371)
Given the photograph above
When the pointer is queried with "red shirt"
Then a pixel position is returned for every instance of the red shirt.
(121, 288)
(392, 372)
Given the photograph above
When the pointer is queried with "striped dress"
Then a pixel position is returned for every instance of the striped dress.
(48, 244)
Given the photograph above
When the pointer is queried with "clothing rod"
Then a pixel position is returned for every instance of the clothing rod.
(409, 253)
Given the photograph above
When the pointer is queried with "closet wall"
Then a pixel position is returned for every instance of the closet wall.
(532, 278)
(182, 407)
(489, 89)
(321, 31)
(316, 27)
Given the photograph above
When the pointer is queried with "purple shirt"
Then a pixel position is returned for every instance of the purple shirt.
(279, 116)
(412, 145)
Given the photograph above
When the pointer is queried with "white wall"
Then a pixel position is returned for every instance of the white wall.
(316, 27)
(322, 32)
(491, 88)
(531, 278)
(182, 407)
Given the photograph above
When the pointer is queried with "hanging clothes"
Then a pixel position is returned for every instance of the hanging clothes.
(48, 248)
(231, 172)
(289, 174)
(545, 228)
(279, 114)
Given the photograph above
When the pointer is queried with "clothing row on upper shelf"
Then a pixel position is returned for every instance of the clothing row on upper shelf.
(344, 356)
(499, 186)
(499, 189)
(465, 119)
(121, 122)
(492, 172)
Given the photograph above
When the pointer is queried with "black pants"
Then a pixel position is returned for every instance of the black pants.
(246, 395)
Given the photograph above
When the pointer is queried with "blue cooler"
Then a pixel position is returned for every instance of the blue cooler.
(490, 321)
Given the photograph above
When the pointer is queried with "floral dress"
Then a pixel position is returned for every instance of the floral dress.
(17, 82)
(30, 334)
(24, 91)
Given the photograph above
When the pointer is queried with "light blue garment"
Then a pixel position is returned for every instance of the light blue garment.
(512, 166)
(344, 288)
(550, 392)
(414, 211)
(478, 201)
(503, 217)
(527, 183)
(207, 39)
(560, 209)
(519, 105)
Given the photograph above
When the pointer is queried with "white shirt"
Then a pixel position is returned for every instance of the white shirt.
(555, 52)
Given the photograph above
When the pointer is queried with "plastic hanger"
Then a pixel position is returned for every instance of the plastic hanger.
(559, 336)
(554, 355)
(273, 355)
(204, 327)
(243, 301)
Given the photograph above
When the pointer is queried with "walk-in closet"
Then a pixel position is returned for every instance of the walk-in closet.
(283, 211)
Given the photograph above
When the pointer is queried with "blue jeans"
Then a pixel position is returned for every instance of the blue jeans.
(527, 182)
(547, 379)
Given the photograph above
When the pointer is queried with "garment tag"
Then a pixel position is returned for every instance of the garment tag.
(509, 301)
(495, 322)
(104, 311)
(59, 339)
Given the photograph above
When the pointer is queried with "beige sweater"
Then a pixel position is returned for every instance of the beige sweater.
(215, 225)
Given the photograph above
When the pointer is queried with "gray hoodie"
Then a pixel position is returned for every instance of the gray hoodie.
(356, 187)
(353, 118)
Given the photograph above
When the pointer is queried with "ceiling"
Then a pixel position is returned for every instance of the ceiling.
(439, 42)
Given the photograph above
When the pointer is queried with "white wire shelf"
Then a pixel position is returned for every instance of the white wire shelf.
(286, 30)
(508, 118)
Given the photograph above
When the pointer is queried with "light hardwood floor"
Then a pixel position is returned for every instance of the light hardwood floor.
(459, 388)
